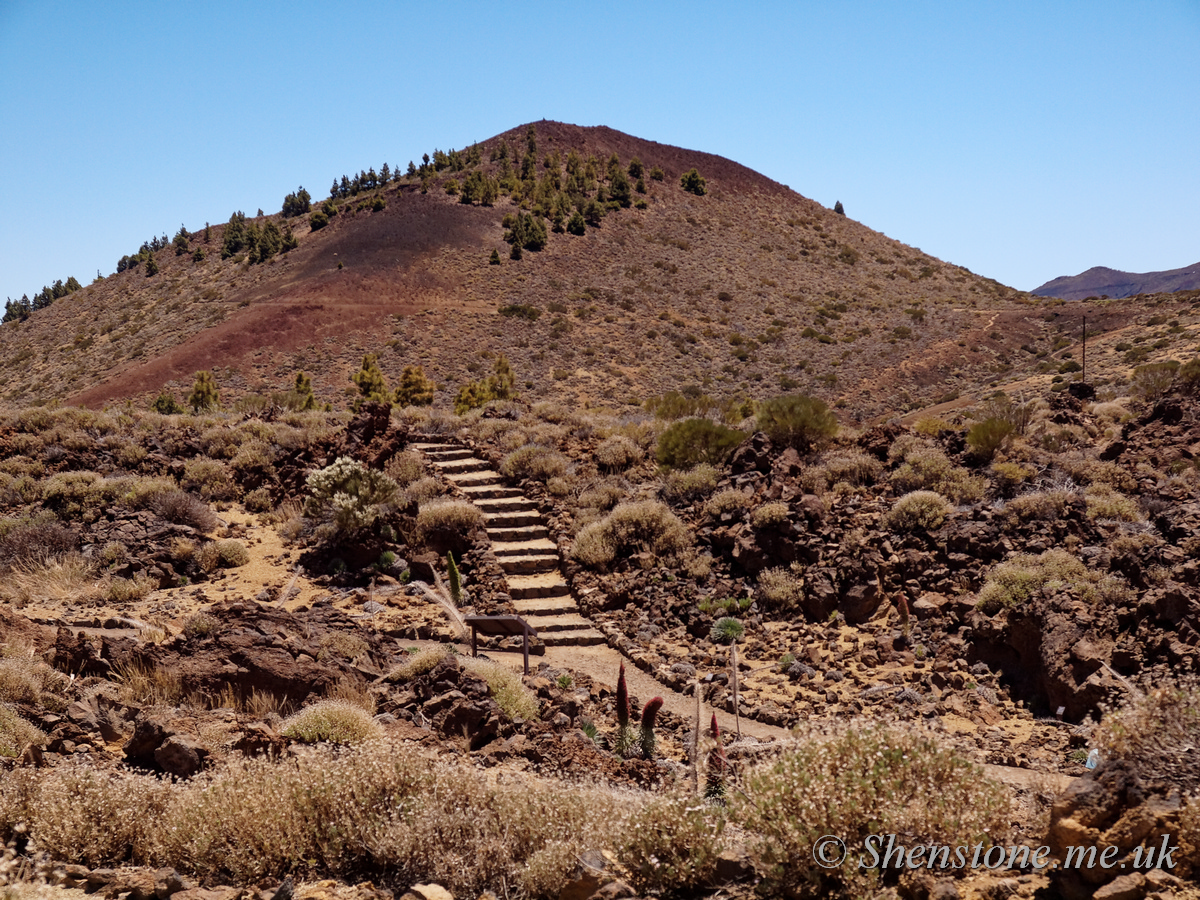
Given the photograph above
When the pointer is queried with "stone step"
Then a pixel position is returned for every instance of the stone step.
(544, 584)
(524, 548)
(440, 456)
(525, 533)
(579, 637)
(474, 479)
(557, 622)
(545, 606)
(492, 521)
(528, 564)
(505, 504)
(426, 447)
(475, 492)
(455, 466)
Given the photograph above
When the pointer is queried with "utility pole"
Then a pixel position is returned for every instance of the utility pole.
(1084, 350)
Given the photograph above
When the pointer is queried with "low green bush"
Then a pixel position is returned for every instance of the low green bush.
(692, 442)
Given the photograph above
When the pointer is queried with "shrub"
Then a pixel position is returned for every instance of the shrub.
(127, 590)
(15, 733)
(1105, 503)
(691, 442)
(643, 526)
(730, 500)
(199, 625)
(601, 496)
(506, 687)
(690, 485)
(183, 508)
(672, 845)
(372, 386)
(1014, 581)
(335, 721)
(781, 589)
(1158, 732)
(988, 436)
(692, 182)
(347, 495)
(796, 420)
(927, 468)
(770, 515)
(918, 511)
(209, 478)
(849, 466)
(617, 453)
(853, 783)
(452, 516)
(538, 463)
(1009, 476)
(227, 554)
(166, 404)
(405, 467)
(726, 630)
(500, 385)
(1153, 380)
(418, 664)
(1188, 376)
(33, 539)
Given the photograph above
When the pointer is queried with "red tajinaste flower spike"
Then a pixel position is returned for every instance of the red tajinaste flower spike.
(622, 700)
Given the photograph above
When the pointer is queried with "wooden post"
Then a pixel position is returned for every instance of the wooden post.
(1084, 375)
(474, 631)
(525, 647)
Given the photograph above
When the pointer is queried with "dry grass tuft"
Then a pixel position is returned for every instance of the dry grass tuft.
(335, 721)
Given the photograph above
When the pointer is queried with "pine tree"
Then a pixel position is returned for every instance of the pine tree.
(151, 265)
(372, 387)
(839, 209)
(693, 182)
(302, 393)
(205, 395)
(415, 389)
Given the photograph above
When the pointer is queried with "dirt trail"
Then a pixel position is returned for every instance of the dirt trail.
(602, 663)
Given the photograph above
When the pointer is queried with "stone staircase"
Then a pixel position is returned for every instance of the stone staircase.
(521, 543)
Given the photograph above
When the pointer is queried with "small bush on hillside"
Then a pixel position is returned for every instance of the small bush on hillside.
(730, 500)
(854, 783)
(1039, 506)
(602, 496)
(33, 539)
(770, 515)
(500, 385)
(692, 442)
(166, 404)
(617, 453)
(726, 630)
(1158, 732)
(1188, 376)
(918, 511)
(673, 845)
(15, 733)
(1105, 503)
(928, 468)
(988, 436)
(183, 508)
(335, 721)
(1014, 581)
(418, 664)
(846, 466)
(347, 494)
(693, 182)
(505, 686)
(1153, 380)
(797, 421)
(227, 554)
(127, 590)
(405, 467)
(691, 485)
(454, 516)
(200, 625)
(538, 463)
(781, 589)
(209, 478)
(642, 526)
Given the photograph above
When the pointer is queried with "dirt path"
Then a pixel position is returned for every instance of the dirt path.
(602, 663)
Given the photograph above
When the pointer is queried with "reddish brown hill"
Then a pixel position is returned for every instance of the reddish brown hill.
(1100, 281)
(749, 290)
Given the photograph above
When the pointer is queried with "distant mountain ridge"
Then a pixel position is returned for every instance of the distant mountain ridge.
(1099, 281)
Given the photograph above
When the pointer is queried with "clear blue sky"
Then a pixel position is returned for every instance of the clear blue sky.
(1023, 140)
